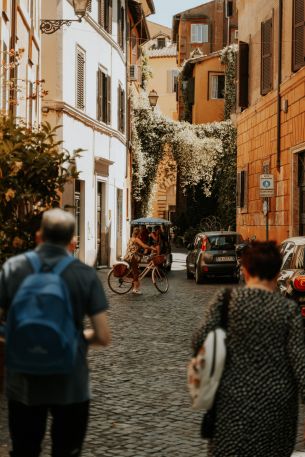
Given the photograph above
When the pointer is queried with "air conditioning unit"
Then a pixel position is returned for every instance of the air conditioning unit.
(133, 73)
(236, 34)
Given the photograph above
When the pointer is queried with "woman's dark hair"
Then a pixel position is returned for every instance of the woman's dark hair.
(262, 259)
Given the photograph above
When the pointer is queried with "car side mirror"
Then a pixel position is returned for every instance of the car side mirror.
(190, 246)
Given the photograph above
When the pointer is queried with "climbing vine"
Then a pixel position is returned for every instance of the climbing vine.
(199, 151)
(228, 58)
(205, 154)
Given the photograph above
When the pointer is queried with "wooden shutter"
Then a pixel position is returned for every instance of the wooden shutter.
(122, 27)
(108, 100)
(109, 28)
(104, 98)
(80, 79)
(298, 48)
(99, 95)
(119, 21)
(241, 189)
(266, 56)
(123, 109)
(101, 12)
(243, 75)
(119, 108)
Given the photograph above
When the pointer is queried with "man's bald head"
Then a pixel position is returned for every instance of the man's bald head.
(57, 227)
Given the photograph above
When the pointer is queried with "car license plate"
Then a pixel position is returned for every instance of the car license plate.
(225, 259)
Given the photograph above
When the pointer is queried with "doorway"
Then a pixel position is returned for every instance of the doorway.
(101, 229)
(301, 185)
(119, 230)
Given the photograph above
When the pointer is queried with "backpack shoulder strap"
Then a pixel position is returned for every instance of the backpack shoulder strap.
(34, 260)
(62, 265)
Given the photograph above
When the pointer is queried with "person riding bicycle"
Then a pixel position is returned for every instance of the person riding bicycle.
(133, 257)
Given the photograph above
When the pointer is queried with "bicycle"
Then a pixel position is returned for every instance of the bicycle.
(120, 278)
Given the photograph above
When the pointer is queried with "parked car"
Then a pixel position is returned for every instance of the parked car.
(213, 254)
(291, 280)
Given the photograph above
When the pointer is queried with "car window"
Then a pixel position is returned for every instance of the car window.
(298, 259)
(222, 242)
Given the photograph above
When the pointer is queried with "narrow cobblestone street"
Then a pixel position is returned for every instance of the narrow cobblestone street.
(140, 404)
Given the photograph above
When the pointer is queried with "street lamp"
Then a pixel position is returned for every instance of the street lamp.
(50, 26)
(153, 99)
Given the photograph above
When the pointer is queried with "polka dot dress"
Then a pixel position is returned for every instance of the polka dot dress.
(257, 400)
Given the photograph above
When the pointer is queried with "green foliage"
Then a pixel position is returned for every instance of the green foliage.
(33, 172)
(145, 70)
(205, 156)
(229, 59)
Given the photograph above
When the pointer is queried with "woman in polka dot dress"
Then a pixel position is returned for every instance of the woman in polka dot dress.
(256, 405)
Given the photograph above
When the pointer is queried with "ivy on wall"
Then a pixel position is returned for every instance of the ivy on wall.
(205, 153)
(228, 58)
(199, 150)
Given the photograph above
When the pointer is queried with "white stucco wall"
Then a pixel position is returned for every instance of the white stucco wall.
(80, 128)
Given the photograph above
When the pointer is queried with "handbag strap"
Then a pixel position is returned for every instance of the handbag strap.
(225, 308)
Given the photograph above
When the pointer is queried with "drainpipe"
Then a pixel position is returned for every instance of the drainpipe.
(279, 99)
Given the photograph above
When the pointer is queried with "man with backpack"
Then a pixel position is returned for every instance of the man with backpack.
(44, 297)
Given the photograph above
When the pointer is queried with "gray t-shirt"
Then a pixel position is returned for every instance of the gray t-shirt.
(87, 298)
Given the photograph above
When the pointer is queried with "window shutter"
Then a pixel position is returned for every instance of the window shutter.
(99, 94)
(119, 108)
(119, 21)
(194, 33)
(108, 100)
(243, 75)
(241, 189)
(266, 56)
(104, 98)
(80, 82)
(101, 12)
(109, 29)
(122, 27)
(298, 51)
(123, 109)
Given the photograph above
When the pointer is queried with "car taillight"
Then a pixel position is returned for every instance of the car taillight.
(204, 245)
(299, 283)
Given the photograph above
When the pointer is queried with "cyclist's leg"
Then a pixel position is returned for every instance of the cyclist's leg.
(134, 264)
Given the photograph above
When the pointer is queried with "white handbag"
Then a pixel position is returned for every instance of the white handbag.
(206, 369)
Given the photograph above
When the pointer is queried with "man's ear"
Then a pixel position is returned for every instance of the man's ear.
(38, 237)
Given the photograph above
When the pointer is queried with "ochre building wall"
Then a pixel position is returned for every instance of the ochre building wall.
(257, 147)
(206, 109)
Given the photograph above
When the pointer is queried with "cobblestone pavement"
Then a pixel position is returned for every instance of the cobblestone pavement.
(140, 404)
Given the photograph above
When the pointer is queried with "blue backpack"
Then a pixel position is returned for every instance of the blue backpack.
(41, 336)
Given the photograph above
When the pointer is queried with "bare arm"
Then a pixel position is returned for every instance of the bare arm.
(143, 245)
(99, 334)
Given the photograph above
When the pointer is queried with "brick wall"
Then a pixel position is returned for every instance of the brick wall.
(257, 147)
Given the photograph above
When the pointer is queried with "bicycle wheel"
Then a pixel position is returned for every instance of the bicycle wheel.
(119, 285)
(159, 278)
